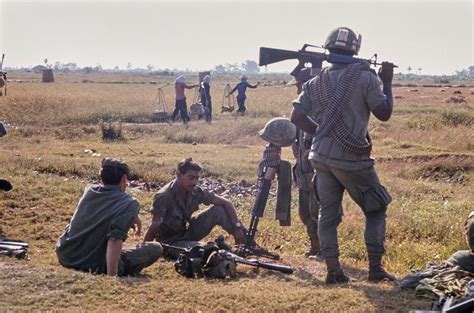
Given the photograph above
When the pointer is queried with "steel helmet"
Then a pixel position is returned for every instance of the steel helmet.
(279, 131)
(343, 38)
(243, 77)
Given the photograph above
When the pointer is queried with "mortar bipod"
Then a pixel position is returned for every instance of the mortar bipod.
(228, 100)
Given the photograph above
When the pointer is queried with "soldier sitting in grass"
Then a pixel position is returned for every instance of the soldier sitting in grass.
(174, 204)
(94, 238)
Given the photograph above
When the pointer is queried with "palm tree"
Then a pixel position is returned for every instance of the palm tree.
(409, 69)
(419, 70)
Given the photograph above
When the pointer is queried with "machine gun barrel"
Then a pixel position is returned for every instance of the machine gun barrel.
(252, 262)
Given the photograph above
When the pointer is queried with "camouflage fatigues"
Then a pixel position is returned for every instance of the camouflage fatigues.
(340, 170)
(177, 225)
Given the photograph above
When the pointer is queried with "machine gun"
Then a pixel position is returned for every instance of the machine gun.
(304, 56)
(200, 255)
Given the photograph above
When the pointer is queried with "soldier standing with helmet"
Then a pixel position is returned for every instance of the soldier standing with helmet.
(340, 100)
(303, 172)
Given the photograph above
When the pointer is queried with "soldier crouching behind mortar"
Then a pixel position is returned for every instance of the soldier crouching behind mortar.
(340, 100)
(174, 204)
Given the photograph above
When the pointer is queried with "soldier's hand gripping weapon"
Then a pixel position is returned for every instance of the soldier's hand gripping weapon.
(304, 56)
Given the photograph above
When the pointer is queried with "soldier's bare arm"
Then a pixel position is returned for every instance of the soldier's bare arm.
(153, 229)
(137, 225)
(114, 249)
(232, 214)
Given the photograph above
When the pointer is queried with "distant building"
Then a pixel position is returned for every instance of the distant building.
(39, 68)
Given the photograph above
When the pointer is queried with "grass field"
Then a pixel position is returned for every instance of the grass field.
(425, 158)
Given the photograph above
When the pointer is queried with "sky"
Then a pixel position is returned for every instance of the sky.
(436, 36)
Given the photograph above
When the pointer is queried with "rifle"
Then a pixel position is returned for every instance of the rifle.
(271, 55)
(264, 184)
(14, 248)
(238, 259)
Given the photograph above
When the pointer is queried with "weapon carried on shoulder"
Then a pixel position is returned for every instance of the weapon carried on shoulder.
(211, 261)
(16, 248)
(304, 56)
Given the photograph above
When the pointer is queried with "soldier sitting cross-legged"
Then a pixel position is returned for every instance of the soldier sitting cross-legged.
(175, 203)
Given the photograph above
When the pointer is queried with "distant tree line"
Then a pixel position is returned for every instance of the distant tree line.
(247, 67)
(461, 75)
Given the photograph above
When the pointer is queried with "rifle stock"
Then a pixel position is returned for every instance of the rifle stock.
(271, 55)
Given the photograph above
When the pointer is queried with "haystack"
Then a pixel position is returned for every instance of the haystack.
(48, 76)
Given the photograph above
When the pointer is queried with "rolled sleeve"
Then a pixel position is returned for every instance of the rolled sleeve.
(374, 95)
(159, 205)
(121, 224)
(204, 196)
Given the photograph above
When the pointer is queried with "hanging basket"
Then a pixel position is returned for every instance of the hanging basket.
(228, 100)
(160, 114)
(196, 111)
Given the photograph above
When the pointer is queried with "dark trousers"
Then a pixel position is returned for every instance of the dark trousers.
(365, 189)
(241, 104)
(200, 226)
(132, 261)
(308, 210)
(182, 108)
(208, 111)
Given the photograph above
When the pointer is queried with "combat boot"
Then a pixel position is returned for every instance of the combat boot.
(335, 274)
(376, 271)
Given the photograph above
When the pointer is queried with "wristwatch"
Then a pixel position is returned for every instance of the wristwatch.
(238, 225)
